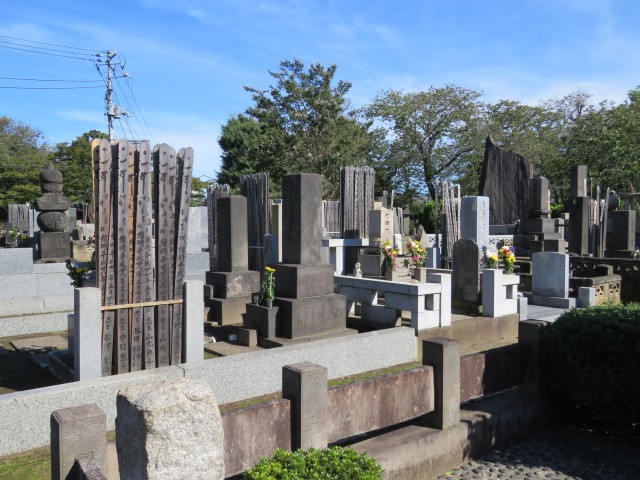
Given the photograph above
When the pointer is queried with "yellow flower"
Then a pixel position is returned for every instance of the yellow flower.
(270, 270)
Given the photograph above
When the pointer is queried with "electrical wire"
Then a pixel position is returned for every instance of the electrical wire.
(49, 88)
(50, 44)
(48, 53)
(49, 80)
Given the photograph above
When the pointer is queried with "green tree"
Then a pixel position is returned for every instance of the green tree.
(301, 123)
(75, 163)
(607, 140)
(432, 134)
(23, 154)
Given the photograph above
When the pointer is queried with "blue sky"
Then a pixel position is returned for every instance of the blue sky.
(189, 60)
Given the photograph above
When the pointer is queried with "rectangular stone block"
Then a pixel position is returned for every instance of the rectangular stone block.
(550, 274)
(371, 265)
(380, 315)
(301, 218)
(301, 281)
(623, 223)
(381, 226)
(400, 301)
(234, 284)
(16, 261)
(578, 236)
(262, 319)
(426, 319)
(539, 196)
(540, 225)
(305, 384)
(300, 317)
(360, 295)
(247, 337)
(555, 245)
(474, 220)
(54, 245)
(578, 177)
(443, 354)
(227, 311)
(444, 279)
(231, 229)
(77, 432)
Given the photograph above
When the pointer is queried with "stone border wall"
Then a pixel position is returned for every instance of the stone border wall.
(25, 415)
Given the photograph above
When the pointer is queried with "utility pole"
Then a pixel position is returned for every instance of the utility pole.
(113, 110)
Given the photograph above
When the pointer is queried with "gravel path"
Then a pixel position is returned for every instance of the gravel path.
(556, 453)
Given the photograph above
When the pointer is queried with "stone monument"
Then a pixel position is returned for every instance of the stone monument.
(233, 283)
(304, 290)
(54, 242)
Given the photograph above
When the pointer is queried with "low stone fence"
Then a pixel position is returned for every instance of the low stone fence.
(24, 416)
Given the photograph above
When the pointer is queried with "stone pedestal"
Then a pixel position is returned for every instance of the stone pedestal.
(499, 293)
(54, 245)
(371, 264)
(420, 274)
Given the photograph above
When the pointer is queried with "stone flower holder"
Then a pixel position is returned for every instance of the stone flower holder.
(420, 274)
(392, 275)
(499, 293)
(262, 319)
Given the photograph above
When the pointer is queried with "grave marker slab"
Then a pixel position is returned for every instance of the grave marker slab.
(465, 281)
(474, 220)
(550, 274)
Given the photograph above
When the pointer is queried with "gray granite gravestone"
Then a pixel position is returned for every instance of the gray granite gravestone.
(550, 274)
(474, 220)
(54, 242)
(233, 283)
(622, 242)
(465, 281)
(304, 287)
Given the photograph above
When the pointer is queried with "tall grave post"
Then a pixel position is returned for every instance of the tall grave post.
(474, 234)
(578, 208)
(233, 283)
(304, 286)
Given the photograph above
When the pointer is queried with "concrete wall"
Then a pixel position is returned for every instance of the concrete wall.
(24, 416)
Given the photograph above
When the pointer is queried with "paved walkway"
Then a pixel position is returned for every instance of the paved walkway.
(556, 453)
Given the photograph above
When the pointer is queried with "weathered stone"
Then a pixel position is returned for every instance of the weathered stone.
(300, 317)
(234, 284)
(381, 226)
(54, 245)
(231, 219)
(474, 220)
(578, 209)
(466, 275)
(578, 177)
(505, 180)
(539, 196)
(77, 432)
(305, 384)
(262, 319)
(623, 227)
(300, 281)
(227, 311)
(167, 430)
(301, 219)
(53, 221)
(550, 274)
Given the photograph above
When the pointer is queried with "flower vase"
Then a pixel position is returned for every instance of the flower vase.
(269, 302)
(420, 274)
(391, 275)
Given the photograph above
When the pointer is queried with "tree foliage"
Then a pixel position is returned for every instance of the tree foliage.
(607, 140)
(23, 154)
(75, 163)
(431, 134)
(301, 123)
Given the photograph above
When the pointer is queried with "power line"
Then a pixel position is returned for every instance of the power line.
(50, 88)
(50, 44)
(47, 53)
(49, 80)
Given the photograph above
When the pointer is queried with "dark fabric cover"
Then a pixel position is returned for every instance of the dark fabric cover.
(505, 180)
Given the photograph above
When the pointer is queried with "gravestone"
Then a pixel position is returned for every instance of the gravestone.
(54, 241)
(381, 226)
(304, 287)
(474, 220)
(505, 180)
(465, 281)
(233, 283)
(550, 274)
(538, 232)
(578, 207)
(622, 242)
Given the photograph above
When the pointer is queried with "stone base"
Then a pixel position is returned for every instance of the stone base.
(227, 311)
(619, 253)
(555, 302)
(301, 281)
(262, 319)
(283, 342)
(420, 274)
(300, 317)
(233, 284)
(465, 306)
(54, 245)
(60, 364)
(371, 265)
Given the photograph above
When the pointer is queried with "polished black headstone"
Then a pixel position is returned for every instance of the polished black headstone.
(301, 220)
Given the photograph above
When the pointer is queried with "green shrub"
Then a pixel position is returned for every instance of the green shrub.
(590, 359)
(332, 463)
